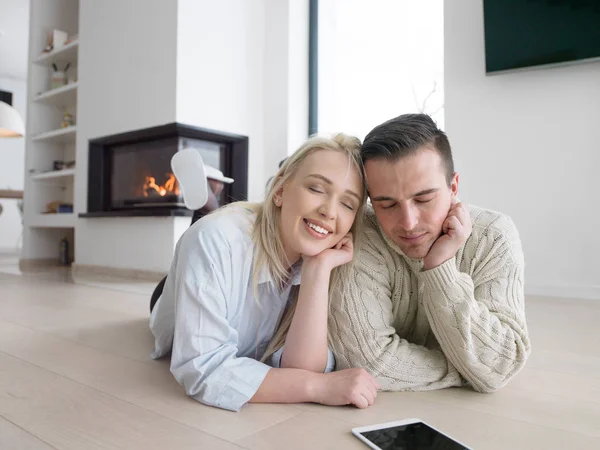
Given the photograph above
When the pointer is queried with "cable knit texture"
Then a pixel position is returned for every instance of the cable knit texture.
(463, 321)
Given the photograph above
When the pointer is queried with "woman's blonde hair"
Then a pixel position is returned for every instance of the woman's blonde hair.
(266, 235)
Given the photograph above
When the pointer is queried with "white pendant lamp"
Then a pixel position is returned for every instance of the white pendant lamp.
(11, 124)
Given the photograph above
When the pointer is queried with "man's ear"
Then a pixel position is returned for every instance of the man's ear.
(454, 185)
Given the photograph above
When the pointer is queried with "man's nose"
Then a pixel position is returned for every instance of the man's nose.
(408, 217)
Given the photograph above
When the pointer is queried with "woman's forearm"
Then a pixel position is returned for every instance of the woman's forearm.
(306, 341)
(287, 386)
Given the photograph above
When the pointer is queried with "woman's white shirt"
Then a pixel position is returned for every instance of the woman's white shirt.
(208, 316)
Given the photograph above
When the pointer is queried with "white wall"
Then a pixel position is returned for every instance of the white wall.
(127, 66)
(275, 98)
(14, 38)
(285, 82)
(242, 68)
(297, 81)
(220, 51)
(12, 168)
(138, 243)
(526, 143)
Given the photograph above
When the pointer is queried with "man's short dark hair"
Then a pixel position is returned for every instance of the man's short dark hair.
(405, 135)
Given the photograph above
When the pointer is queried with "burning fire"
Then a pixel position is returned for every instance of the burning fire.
(170, 186)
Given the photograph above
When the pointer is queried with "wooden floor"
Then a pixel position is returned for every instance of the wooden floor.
(75, 374)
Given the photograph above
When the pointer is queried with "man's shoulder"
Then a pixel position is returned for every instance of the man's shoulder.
(487, 221)
(370, 220)
(494, 230)
(373, 236)
(373, 244)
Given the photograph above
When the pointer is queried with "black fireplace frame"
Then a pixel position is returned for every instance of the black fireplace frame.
(234, 159)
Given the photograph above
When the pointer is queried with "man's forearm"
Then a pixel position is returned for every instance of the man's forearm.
(486, 339)
(362, 336)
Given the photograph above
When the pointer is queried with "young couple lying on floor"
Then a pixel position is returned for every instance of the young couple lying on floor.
(314, 296)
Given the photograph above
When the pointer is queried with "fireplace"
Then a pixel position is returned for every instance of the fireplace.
(140, 175)
(130, 173)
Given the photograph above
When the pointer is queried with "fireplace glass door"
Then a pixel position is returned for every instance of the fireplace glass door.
(141, 175)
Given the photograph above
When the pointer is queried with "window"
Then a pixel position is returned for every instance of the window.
(376, 60)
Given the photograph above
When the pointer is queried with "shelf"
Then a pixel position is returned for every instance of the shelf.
(60, 136)
(53, 174)
(68, 53)
(60, 97)
(9, 193)
(64, 220)
(163, 212)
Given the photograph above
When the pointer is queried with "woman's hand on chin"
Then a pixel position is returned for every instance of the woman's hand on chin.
(330, 258)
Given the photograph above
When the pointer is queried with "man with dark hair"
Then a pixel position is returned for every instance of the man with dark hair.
(437, 294)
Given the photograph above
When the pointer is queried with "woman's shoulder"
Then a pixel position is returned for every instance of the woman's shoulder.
(230, 225)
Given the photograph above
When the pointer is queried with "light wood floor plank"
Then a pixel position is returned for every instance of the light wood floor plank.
(14, 438)
(306, 431)
(149, 386)
(479, 430)
(116, 332)
(579, 387)
(69, 415)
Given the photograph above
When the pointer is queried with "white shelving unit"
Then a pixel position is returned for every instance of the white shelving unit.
(53, 174)
(47, 139)
(61, 220)
(68, 53)
(62, 97)
(61, 136)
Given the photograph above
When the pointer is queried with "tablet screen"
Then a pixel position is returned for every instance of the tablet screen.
(414, 436)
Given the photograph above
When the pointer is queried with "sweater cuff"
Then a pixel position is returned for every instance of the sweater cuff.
(441, 276)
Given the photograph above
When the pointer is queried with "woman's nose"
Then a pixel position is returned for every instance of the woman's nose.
(327, 210)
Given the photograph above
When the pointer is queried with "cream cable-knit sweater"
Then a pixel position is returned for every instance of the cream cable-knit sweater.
(461, 321)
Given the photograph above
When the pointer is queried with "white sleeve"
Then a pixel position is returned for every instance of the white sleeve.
(276, 360)
(205, 345)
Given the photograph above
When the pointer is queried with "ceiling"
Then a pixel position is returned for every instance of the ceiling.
(14, 38)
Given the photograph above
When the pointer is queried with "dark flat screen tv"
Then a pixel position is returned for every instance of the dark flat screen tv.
(527, 33)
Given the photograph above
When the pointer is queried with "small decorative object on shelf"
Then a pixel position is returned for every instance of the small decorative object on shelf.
(68, 120)
(64, 252)
(60, 165)
(48, 47)
(56, 39)
(58, 77)
(59, 38)
(64, 208)
(58, 208)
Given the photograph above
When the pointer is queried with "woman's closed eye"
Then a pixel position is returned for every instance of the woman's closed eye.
(348, 205)
(315, 190)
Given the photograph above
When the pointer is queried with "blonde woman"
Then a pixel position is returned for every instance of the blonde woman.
(238, 323)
